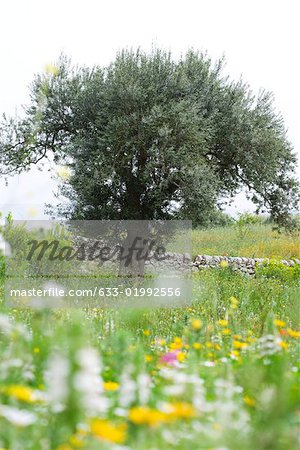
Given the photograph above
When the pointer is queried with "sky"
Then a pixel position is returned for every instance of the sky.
(259, 39)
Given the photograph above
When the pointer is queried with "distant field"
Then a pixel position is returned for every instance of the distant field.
(255, 241)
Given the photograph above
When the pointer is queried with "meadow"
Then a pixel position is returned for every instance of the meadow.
(220, 374)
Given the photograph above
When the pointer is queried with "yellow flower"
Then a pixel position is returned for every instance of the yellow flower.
(36, 350)
(107, 431)
(235, 353)
(196, 324)
(283, 345)
(177, 344)
(197, 345)
(148, 358)
(208, 344)
(223, 264)
(279, 323)
(146, 332)
(180, 356)
(223, 322)
(21, 393)
(226, 331)
(234, 302)
(217, 347)
(237, 336)
(293, 333)
(239, 345)
(76, 441)
(249, 401)
(143, 415)
(180, 410)
(111, 386)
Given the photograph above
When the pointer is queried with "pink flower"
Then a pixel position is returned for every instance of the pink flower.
(169, 358)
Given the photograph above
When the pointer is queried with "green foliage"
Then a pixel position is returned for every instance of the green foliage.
(279, 271)
(244, 223)
(20, 238)
(149, 137)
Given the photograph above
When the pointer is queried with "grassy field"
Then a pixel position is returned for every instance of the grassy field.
(220, 374)
(254, 241)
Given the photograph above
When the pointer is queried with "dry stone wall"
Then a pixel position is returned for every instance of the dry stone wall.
(242, 264)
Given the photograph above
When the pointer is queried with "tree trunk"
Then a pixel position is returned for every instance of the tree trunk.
(135, 249)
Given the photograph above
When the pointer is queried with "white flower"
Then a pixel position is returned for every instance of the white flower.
(17, 417)
(88, 382)
(57, 381)
(127, 391)
(144, 387)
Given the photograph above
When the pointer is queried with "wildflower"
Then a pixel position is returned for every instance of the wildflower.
(223, 264)
(249, 401)
(234, 302)
(180, 410)
(21, 393)
(293, 333)
(283, 332)
(143, 415)
(235, 354)
(169, 358)
(176, 344)
(36, 350)
(197, 345)
(223, 322)
(208, 344)
(148, 358)
(17, 417)
(87, 381)
(57, 380)
(107, 431)
(196, 324)
(180, 356)
(111, 386)
(283, 345)
(146, 332)
(76, 440)
(226, 331)
(279, 323)
(239, 345)
(237, 336)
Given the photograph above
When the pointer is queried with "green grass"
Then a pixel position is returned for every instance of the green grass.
(253, 241)
(232, 381)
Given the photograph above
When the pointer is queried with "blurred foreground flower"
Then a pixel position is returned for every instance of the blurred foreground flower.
(107, 431)
(196, 324)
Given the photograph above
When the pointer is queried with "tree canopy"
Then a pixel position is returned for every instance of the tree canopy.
(151, 137)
